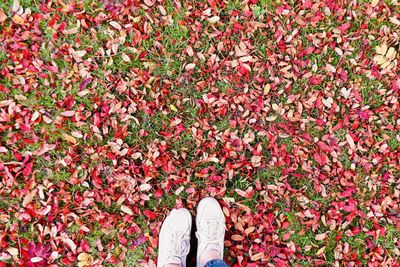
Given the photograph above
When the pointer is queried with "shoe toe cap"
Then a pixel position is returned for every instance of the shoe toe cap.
(181, 218)
(209, 207)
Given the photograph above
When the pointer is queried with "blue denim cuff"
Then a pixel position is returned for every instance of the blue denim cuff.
(216, 263)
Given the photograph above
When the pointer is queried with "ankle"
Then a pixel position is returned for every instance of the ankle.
(209, 255)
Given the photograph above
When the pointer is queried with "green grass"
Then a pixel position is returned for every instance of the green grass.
(167, 201)
(162, 55)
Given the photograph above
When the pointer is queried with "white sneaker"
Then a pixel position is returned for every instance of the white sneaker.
(174, 240)
(210, 222)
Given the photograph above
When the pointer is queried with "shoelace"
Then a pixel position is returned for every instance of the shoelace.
(211, 235)
(180, 248)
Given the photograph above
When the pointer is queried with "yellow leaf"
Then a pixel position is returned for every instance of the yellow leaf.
(237, 237)
(257, 256)
(381, 49)
(136, 19)
(386, 65)
(391, 53)
(84, 259)
(18, 19)
(390, 66)
(379, 59)
(374, 3)
(83, 256)
(320, 251)
(69, 138)
(266, 89)
(173, 108)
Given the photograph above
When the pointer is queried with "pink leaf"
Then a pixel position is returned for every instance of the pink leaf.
(350, 141)
(320, 237)
(68, 113)
(344, 27)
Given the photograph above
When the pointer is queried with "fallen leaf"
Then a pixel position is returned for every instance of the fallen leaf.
(149, 3)
(374, 3)
(327, 102)
(12, 251)
(345, 92)
(320, 237)
(190, 66)
(69, 138)
(320, 251)
(214, 19)
(350, 141)
(125, 57)
(84, 259)
(68, 113)
(116, 25)
(18, 19)
(36, 259)
(257, 256)
(127, 210)
(237, 238)
(385, 56)
(16, 7)
(3, 16)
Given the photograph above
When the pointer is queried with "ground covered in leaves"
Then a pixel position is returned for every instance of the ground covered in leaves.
(114, 112)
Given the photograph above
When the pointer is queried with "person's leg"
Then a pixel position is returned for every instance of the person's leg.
(210, 222)
(208, 256)
(174, 240)
(216, 263)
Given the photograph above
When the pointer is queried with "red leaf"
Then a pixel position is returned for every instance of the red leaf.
(308, 51)
(315, 80)
(351, 207)
(324, 147)
(149, 214)
(243, 70)
(364, 115)
(28, 169)
(343, 75)
(348, 192)
(320, 158)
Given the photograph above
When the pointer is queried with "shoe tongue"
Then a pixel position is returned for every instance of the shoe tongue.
(212, 230)
(174, 260)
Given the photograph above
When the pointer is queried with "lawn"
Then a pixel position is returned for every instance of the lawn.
(114, 112)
